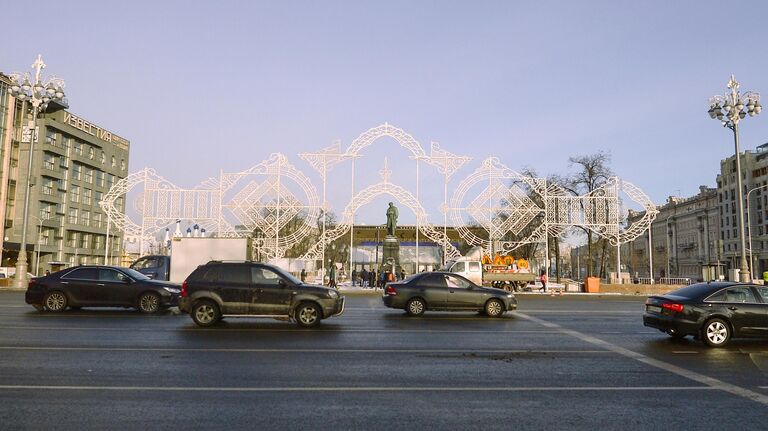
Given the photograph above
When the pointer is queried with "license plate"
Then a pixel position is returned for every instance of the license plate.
(653, 309)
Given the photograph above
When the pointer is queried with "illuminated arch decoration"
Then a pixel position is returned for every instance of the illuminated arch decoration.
(365, 196)
(513, 209)
(530, 209)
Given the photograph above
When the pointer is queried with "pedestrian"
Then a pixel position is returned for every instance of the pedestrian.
(332, 276)
(363, 278)
(372, 279)
(382, 278)
(303, 275)
(543, 278)
(354, 277)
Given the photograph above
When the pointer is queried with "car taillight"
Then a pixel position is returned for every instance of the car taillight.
(184, 289)
(32, 283)
(390, 291)
(673, 307)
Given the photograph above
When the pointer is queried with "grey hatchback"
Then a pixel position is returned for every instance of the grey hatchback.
(445, 291)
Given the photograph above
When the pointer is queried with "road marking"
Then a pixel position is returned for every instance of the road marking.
(255, 350)
(685, 352)
(357, 389)
(288, 329)
(692, 375)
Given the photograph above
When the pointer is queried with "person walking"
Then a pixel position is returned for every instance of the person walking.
(372, 279)
(354, 277)
(543, 278)
(332, 276)
(363, 278)
(303, 275)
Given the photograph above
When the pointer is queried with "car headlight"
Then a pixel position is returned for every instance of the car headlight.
(333, 294)
(510, 295)
(172, 290)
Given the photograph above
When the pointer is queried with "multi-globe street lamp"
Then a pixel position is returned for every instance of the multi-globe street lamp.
(40, 94)
(729, 109)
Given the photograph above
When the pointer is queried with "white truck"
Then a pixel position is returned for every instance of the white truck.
(190, 252)
(503, 276)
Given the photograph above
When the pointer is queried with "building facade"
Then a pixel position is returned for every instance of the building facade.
(754, 174)
(75, 162)
(685, 238)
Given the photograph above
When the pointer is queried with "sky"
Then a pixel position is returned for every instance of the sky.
(200, 87)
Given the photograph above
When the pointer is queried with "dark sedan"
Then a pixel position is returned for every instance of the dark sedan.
(713, 312)
(445, 291)
(100, 286)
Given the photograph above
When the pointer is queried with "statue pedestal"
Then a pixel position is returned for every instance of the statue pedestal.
(391, 253)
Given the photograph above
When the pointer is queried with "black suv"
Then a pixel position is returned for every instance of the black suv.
(251, 289)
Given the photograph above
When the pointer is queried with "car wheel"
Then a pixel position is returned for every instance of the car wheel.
(55, 301)
(205, 313)
(494, 308)
(149, 302)
(716, 333)
(308, 315)
(415, 307)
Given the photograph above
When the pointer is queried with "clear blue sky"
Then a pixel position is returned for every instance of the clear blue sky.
(202, 86)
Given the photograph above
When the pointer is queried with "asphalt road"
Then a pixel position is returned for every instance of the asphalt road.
(558, 363)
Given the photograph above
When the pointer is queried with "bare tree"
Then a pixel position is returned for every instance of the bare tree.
(592, 172)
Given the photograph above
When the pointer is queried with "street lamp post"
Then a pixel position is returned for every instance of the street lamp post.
(729, 109)
(749, 231)
(39, 93)
(39, 234)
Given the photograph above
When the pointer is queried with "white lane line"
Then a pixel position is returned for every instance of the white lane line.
(247, 350)
(679, 352)
(357, 389)
(692, 375)
(288, 329)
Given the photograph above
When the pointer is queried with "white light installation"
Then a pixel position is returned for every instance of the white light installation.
(512, 209)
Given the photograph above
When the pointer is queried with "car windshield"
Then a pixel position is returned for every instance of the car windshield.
(136, 275)
(287, 275)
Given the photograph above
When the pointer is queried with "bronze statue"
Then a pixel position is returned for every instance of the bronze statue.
(391, 219)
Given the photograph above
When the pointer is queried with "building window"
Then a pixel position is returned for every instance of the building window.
(100, 178)
(74, 194)
(48, 185)
(88, 175)
(96, 220)
(46, 211)
(85, 218)
(72, 216)
(110, 180)
(63, 162)
(72, 239)
(50, 137)
(97, 197)
(98, 242)
(49, 161)
(77, 171)
(87, 193)
(78, 148)
(85, 240)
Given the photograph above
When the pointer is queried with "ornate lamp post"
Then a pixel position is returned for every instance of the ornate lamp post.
(40, 93)
(729, 109)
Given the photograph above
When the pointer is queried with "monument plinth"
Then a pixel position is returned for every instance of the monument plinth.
(391, 251)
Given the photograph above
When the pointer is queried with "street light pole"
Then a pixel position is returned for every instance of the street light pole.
(39, 94)
(731, 106)
(749, 231)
